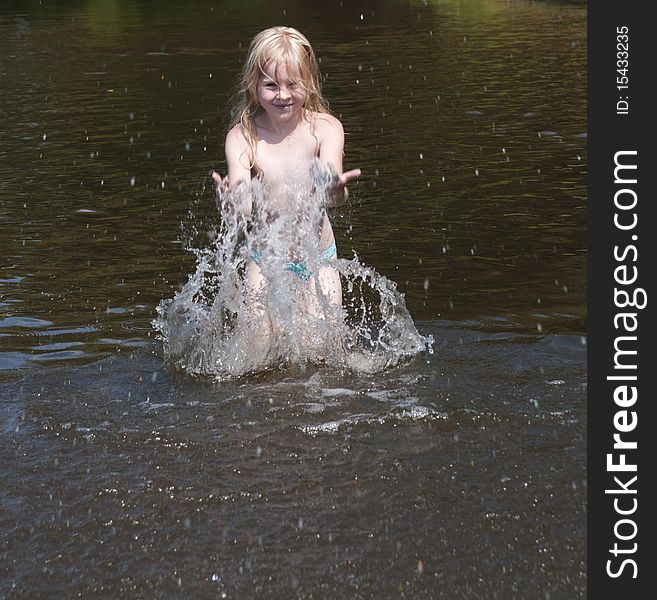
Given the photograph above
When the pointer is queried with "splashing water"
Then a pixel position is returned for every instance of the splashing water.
(264, 295)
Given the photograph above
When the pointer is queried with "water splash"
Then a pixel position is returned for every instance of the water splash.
(264, 295)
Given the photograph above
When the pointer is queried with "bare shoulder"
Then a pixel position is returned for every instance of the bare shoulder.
(328, 125)
(235, 138)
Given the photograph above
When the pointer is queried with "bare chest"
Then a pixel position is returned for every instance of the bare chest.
(286, 160)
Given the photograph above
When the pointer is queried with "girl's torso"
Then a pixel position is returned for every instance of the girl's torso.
(284, 166)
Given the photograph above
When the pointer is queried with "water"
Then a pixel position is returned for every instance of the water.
(453, 474)
(230, 321)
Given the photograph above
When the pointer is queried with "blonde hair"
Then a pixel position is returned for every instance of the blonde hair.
(283, 46)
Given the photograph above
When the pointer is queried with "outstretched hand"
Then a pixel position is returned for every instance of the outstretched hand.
(231, 200)
(336, 190)
(220, 187)
(220, 184)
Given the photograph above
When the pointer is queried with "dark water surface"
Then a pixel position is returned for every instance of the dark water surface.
(458, 474)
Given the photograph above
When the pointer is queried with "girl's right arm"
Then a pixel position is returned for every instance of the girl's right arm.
(239, 171)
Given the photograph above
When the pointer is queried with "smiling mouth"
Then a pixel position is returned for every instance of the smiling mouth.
(283, 105)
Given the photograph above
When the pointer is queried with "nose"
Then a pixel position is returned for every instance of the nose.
(284, 93)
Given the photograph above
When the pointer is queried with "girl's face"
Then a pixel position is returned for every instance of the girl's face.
(280, 94)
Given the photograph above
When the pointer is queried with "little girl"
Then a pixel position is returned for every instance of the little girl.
(281, 133)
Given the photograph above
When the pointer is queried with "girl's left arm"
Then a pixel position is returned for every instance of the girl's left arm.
(331, 148)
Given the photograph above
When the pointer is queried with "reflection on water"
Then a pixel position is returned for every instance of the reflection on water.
(454, 474)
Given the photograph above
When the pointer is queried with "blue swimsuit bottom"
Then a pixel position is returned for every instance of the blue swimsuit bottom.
(299, 268)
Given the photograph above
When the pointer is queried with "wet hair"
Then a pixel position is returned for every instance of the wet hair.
(283, 46)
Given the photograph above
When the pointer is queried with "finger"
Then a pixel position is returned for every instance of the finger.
(349, 175)
(216, 178)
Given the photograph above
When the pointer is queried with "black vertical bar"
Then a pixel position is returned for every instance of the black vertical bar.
(621, 271)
